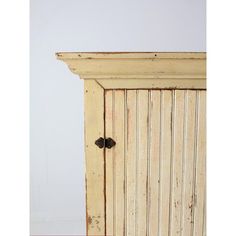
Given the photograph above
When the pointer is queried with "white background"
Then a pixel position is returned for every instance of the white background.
(57, 160)
(14, 136)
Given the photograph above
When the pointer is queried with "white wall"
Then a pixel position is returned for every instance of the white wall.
(57, 162)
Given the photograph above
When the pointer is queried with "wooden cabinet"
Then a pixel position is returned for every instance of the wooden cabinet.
(151, 180)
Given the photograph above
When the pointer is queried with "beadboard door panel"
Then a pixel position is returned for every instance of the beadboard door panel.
(155, 175)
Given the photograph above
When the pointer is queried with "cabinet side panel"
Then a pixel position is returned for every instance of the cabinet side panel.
(94, 128)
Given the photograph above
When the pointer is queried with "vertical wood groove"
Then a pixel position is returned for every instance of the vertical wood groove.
(142, 162)
(104, 158)
(119, 160)
(125, 164)
(131, 160)
(183, 161)
(109, 164)
(195, 157)
(160, 162)
(165, 163)
(114, 164)
(204, 219)
(200, 195)
(189, 163)
(148, 164)
(177, 157)
(137, 157)
(154, 146)
(172, 154)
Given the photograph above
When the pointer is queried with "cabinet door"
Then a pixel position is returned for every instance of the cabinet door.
(155, 174)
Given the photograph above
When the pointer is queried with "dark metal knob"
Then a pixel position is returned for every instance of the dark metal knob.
(109, 143)
(100, 142)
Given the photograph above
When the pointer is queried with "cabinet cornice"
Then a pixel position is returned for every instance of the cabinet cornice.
(136, 65)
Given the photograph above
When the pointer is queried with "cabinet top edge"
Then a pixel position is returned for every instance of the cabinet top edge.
(129, 55)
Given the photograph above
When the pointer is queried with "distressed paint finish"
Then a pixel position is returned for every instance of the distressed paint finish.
(152, 65)
(154, 83)
(153, 70)
(155, 181)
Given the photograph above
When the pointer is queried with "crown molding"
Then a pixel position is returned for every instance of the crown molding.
(133, 65)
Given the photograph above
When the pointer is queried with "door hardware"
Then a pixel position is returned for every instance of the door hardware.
(108, 143)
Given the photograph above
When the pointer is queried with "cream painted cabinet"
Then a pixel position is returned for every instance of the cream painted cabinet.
(145, 137)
